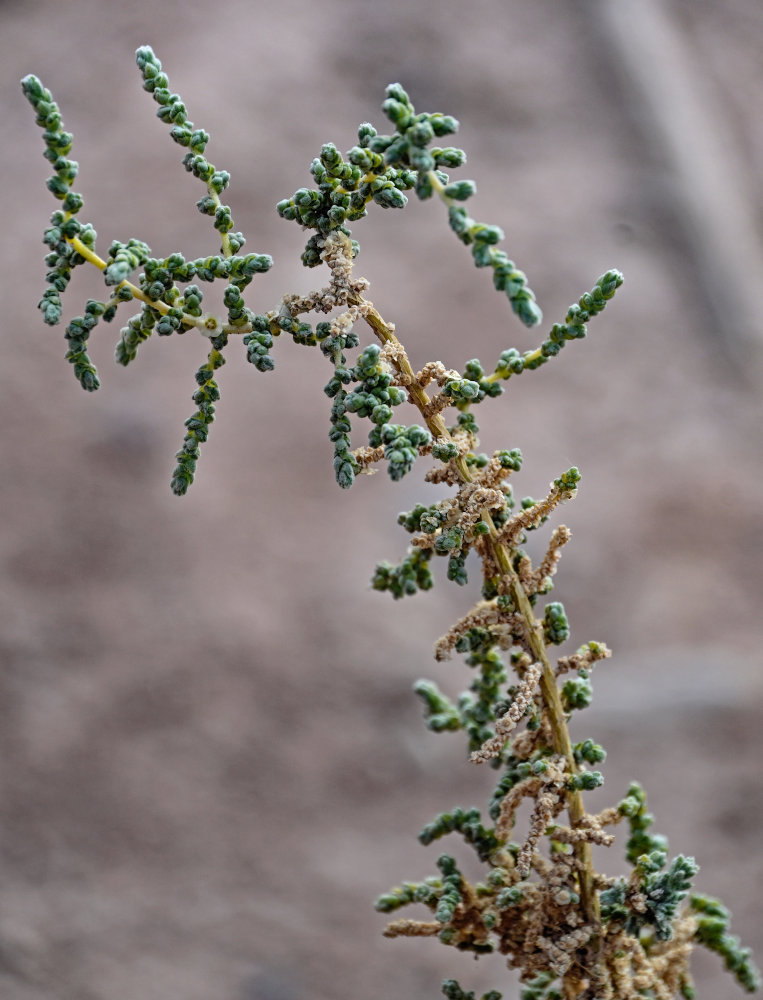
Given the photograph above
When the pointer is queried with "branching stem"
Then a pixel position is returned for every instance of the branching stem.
(556, 717)
(500, 552)
(188, 321)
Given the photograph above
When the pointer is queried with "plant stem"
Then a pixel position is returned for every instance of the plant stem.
(556, 717)
(188, 321)
(500, 552)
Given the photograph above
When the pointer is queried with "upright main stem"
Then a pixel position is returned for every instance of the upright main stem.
(557, 721)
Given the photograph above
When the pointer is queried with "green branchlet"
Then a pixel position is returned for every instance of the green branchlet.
(512, 362)
(577, 693)
(663, 891)
(633, 808)
(469, 824)
(590, 752)
(713, 932)
(401, 446)
(197, 425)
(64, 227)
(556, 628)
(659, 895)
(450, 896)
(380, 169)
(184, 133)
(409, 576)
(409, 892)
(166, 308)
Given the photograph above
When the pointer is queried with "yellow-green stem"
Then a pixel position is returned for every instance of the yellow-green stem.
(551, 697)
(210, 326)
(224, 238)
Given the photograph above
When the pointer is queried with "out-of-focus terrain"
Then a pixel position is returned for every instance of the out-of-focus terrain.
(212, 761)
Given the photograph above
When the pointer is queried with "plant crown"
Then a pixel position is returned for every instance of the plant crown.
(571, 931)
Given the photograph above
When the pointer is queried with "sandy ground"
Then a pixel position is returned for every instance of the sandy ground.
(211, 758)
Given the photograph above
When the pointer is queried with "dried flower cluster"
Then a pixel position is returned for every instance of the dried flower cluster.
(571, 931)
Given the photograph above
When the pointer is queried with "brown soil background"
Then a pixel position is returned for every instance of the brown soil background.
(211, 758)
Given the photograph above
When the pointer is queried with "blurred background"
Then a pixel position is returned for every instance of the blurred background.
(212, 760)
